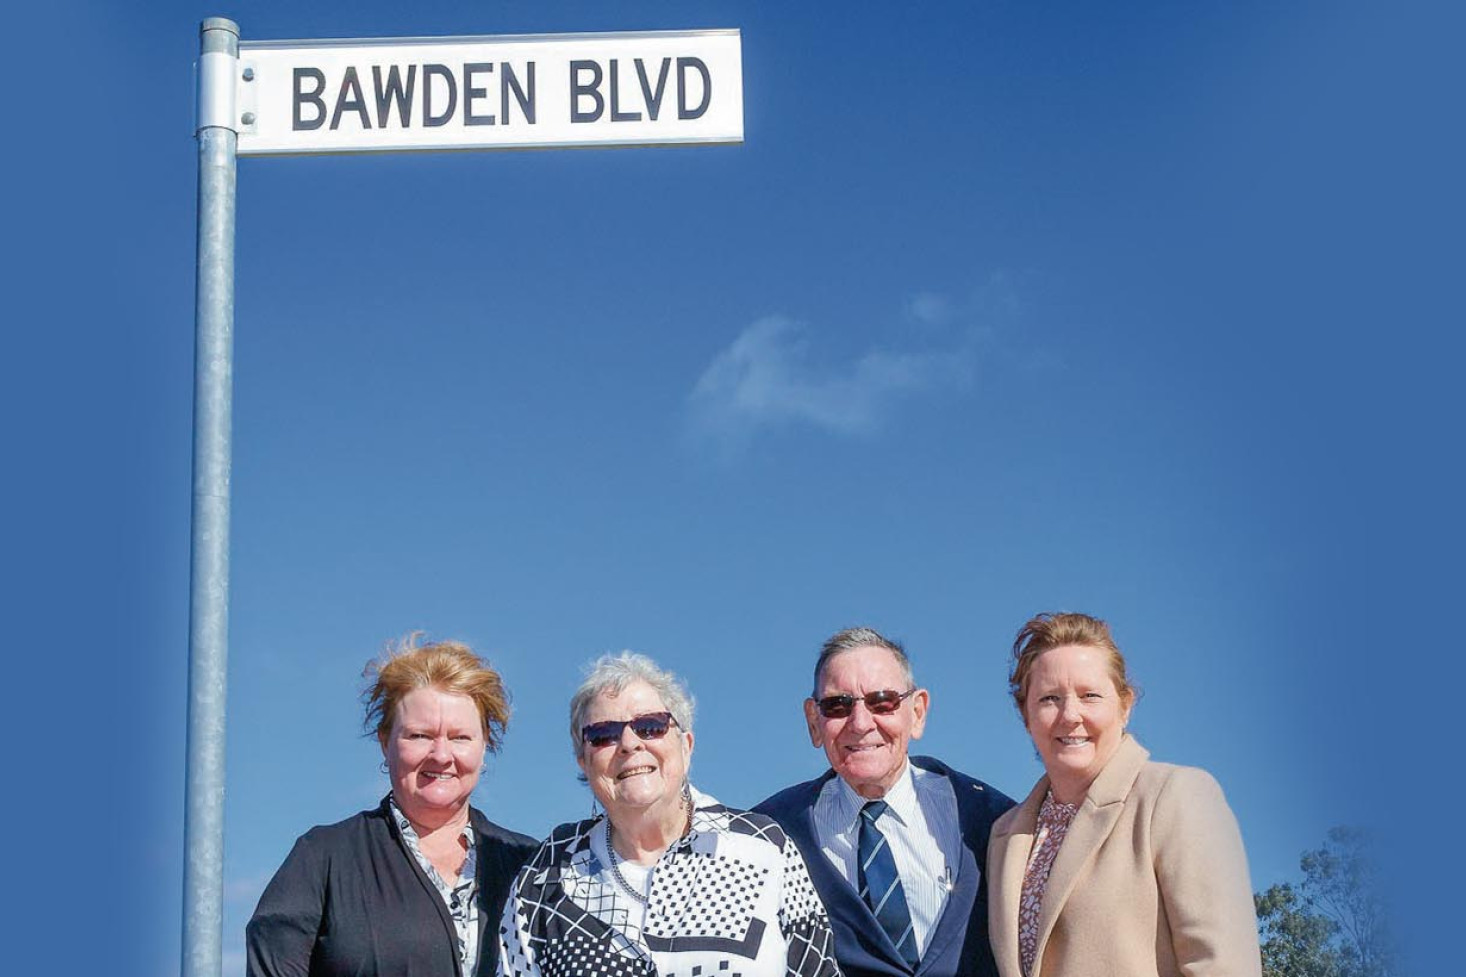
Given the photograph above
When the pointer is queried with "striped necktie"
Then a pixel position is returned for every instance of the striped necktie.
(880, 886)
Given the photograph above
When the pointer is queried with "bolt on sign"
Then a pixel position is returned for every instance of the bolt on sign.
(502, 92)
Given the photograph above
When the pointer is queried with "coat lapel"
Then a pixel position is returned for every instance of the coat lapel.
(1011, 848)
(1092, 825)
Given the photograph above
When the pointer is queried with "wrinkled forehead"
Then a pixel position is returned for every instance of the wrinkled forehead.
(637, 698)
(867, 668)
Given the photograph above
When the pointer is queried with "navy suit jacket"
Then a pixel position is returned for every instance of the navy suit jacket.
(959, 945)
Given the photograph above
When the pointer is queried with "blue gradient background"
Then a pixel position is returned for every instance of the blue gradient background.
(1156, 286)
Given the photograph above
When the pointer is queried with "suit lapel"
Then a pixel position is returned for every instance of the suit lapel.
(1092, 825)
(953, 923)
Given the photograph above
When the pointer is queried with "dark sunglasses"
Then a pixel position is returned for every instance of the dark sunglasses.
(881, 703)
(652, 726)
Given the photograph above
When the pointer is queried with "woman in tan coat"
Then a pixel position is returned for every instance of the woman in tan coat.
(1114, 865)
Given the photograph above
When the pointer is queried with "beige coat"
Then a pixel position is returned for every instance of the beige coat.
(1151, 880)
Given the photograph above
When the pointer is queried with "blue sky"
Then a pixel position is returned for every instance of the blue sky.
(999, 308)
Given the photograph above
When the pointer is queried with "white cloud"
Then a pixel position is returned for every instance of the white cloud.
(930, 308)
(775, 376)
(768, 377)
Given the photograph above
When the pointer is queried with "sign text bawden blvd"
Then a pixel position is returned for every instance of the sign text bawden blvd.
(490, 92)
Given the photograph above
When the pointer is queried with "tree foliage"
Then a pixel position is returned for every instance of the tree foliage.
(1333, 924)
(1295, 942)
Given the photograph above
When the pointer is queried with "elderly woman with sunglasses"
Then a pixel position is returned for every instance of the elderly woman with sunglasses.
(668, 880)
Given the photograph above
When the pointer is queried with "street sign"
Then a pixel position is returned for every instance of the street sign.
(503, 92)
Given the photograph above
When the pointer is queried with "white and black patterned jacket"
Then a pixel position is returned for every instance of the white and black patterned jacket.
(731, 899)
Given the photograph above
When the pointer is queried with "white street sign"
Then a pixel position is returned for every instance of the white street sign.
(423, 93)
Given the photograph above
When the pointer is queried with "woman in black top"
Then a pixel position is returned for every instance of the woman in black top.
(417, 885)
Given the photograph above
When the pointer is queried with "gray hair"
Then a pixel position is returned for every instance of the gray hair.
(612, 674)
(852, 638)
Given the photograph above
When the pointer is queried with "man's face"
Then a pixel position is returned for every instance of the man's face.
(867, 749)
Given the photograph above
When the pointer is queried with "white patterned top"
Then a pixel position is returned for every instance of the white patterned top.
(730, 899)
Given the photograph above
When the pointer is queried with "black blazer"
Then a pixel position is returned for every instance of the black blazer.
(351, 899)
(959, 944)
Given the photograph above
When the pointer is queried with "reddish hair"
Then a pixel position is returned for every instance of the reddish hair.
(448, 666)
(1047, 631)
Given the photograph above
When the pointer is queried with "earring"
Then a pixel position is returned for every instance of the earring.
(594, 808)
(384, 766)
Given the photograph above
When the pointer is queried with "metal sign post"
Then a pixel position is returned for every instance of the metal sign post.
(208, 625)
(273, 98)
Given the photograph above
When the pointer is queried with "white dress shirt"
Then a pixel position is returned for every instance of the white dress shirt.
(921, 828)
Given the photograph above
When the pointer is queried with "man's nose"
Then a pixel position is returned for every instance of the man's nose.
(860, 715)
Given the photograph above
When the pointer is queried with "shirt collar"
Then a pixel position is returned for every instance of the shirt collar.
(410, 833)
(901, 798)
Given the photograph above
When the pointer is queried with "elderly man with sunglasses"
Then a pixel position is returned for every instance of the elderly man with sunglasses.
(895, 844)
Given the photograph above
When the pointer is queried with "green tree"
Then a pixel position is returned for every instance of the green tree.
(1295, 942)
(1334, 923)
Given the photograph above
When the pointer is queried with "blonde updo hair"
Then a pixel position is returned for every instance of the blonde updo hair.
(448, 666)
(1047, 631)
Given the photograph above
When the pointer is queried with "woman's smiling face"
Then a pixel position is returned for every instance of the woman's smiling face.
(1076, 716)
(435, 753)
(634, 775)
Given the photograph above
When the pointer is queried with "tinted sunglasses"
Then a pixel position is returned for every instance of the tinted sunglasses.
(881, 703)
(652, 726)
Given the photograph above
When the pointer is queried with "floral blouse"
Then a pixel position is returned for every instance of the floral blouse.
(1054, 820)
(458, 895)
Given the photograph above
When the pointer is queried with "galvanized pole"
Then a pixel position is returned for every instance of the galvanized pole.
(208, 636)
